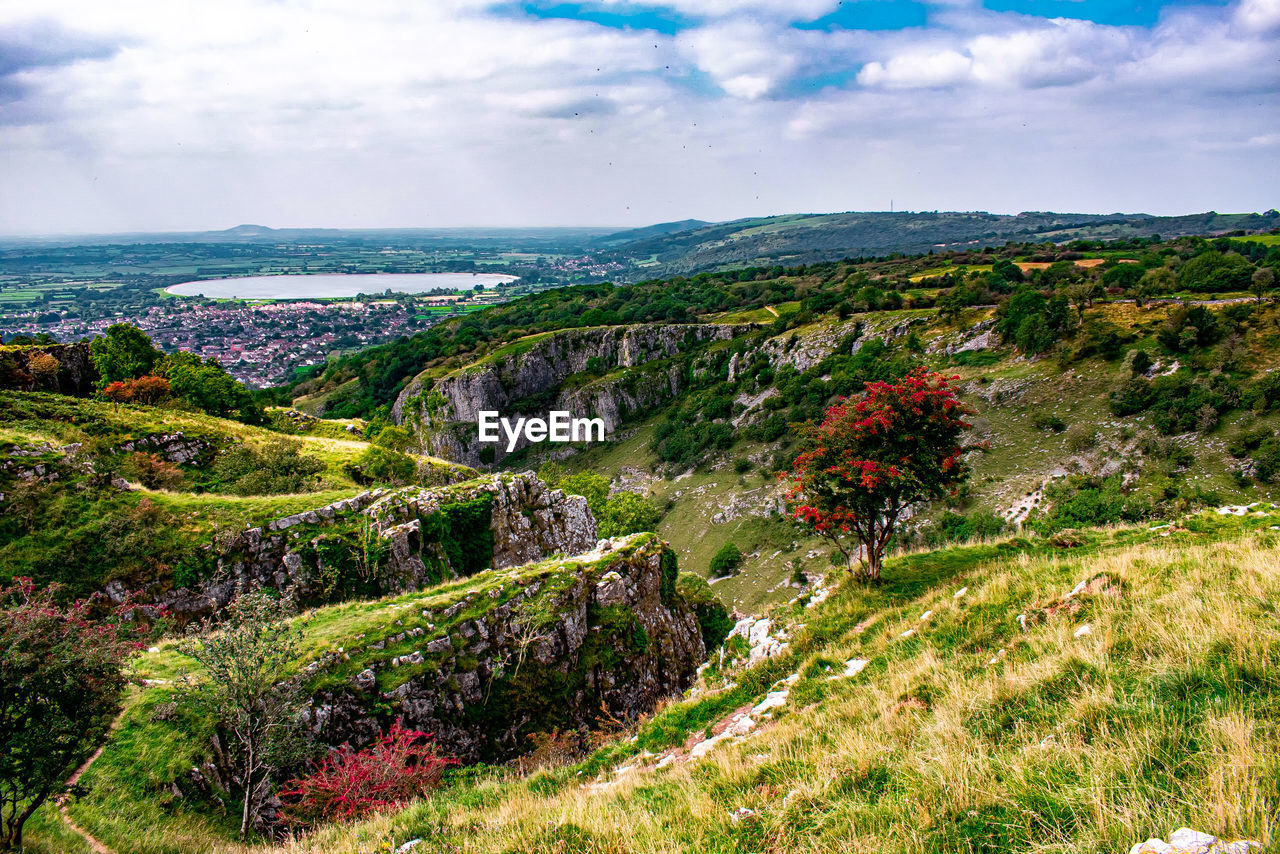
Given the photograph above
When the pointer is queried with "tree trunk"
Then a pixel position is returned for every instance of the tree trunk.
(248, 794)
(873, 563)
(13, 836)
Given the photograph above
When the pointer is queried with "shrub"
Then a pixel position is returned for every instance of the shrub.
(395, 438)
(1081, 438)
(713, 617)
(1089, 502)
(383, 465)
(726, 561)
(278, 467)
(628, 513)
(591, 486)
(152, 471)
(1048, 421)
(1141, 362)
(954, 527)
(1266, 460)
(400, 766)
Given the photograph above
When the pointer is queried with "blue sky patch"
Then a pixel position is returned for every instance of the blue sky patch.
(1111, 12)
(870, 15)
(617, 16)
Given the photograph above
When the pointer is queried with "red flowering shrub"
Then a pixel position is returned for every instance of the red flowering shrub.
(874, 457)
(400, 766)
(146, 389)
(61, 678)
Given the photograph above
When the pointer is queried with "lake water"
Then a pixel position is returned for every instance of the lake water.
(334, 285)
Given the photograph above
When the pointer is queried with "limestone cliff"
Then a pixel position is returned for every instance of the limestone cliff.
(28, 368)
(603, 372)
(387, 541)
(485, 661)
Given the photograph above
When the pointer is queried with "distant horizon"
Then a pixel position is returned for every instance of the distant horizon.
(598, 227)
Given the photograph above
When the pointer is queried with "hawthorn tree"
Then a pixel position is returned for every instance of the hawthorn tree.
(123, 352)
(874, 458)
(61, 675)
(247, 656)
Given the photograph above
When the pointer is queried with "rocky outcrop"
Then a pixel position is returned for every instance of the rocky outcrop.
(64, 368)
(175, 447)
(805, 348)
(530, 379)
(485, 662)
(386, 541)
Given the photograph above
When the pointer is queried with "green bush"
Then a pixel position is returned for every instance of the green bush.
(726, 561)
(713, 617)
(278, 467)
(628, 513)
(1085, 502)
(953, 527)
(383, 465)
(1048, 421)
(591, 486)
(1266, 460)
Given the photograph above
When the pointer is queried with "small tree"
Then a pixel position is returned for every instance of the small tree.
(246, 659)
(874, 458)
(1263, 280)
(122, 353)
(61, 675)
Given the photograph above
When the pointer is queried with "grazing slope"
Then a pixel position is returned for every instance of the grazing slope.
(1005, 696)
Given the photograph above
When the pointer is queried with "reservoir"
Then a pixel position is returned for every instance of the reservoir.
(334, 285)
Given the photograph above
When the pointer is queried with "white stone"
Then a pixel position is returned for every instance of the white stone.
(759, 632)
(926, 615)
(996, 658)
(908, 633)
(1184, 839)
(960, 592)
(773, 700)
(854, 666)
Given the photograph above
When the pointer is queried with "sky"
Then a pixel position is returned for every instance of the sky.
(149, 115)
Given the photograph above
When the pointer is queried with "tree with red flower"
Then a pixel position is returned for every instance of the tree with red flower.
(876, 457)
(61, 680)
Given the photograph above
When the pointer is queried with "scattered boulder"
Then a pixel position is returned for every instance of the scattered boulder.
(1187, 841)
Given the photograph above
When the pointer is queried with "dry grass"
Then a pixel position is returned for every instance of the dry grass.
(1165, 715)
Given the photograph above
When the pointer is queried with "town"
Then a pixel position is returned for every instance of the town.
(260, 345)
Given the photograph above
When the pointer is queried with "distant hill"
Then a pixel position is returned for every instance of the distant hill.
(659, 230)
(809, 238)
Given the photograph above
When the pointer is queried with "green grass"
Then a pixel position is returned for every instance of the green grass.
(1065, 743)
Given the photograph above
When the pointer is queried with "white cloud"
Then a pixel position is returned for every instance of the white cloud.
(917, 69)
(1258, 16)
(745, 58)
(178, 113)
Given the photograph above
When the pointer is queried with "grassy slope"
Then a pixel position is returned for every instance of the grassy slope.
(1020, 460)
(188, 518)
(131, 780)
(1166, 714)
